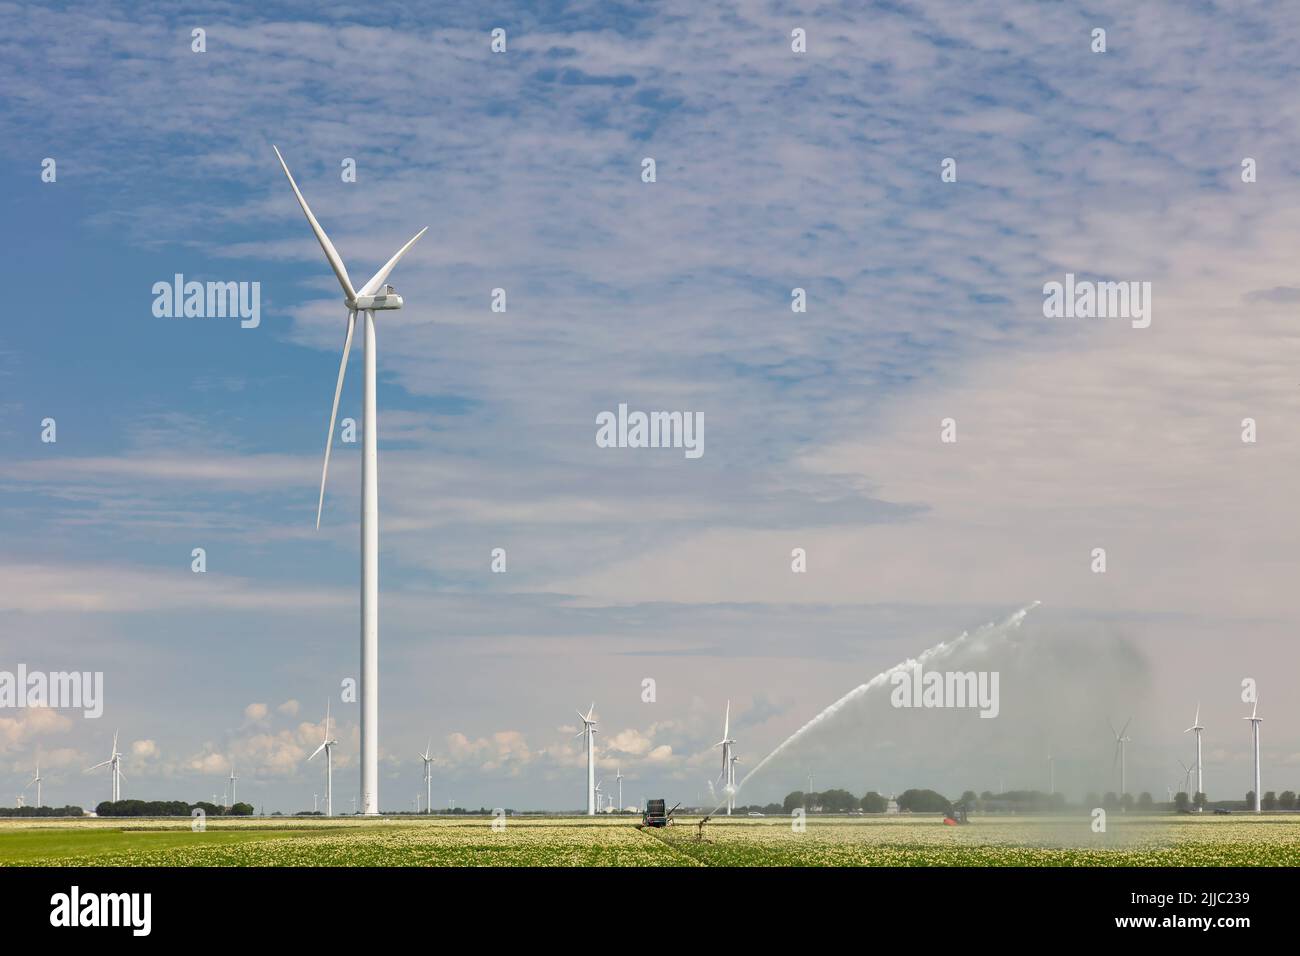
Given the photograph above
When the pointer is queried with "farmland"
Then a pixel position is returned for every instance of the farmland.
(1269, 840)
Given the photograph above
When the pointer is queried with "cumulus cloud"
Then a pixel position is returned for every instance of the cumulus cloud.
(145, 749)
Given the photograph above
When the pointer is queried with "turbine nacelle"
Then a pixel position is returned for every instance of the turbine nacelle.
(386, 298)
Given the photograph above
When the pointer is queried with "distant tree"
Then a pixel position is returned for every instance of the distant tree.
(1092, 800)
(1286, 800)
(969, 799)
(241, 810)
(1181, 801)
(1199, 801)
(924, 801)
(1144, 801)
(772, 808)
(986, 796)
(1250, 799)
(873, 802)
(1269, 802)
(838, 801)
(793, 801)
(1110, 801)
(1126, 801)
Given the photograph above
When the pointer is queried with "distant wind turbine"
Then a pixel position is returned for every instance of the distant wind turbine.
(598, 794)
(1121, 739)
(727, 776)
(588, 733)
(374, 296)
(1255, 721)
(36, 780)
(1197, 728)
(233, 778)
(428, 759)
(114, 765)
(618, 776)
(327, 745)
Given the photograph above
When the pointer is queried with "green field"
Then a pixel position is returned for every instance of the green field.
(1269, 840)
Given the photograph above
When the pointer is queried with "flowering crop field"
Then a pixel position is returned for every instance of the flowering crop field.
(1270, 840)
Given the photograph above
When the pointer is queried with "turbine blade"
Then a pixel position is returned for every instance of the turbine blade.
(316, 751)
(334, 411)
(726, 723)
(1125, 727)
(331, 253)
(378, 278)
(104, 763)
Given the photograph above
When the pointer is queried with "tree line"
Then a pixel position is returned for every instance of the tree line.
(169, 808)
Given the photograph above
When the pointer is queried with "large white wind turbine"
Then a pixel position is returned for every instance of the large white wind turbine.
(114, 765)
(618, 776)
(1255, 720)
(372, 297)
(328, 746)
(588, 732)
(1121, 739)
(428, 759)
(598, 795)
(1197, 728)
(36, 780)
(728, 774)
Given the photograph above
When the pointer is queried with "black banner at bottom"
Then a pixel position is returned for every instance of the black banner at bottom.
(305, 905)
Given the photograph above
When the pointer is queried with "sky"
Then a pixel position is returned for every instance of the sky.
(774, 170)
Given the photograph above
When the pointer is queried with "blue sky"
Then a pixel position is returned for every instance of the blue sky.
(775, 170)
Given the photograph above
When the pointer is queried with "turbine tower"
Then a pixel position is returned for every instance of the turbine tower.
(233, 778)
(428, 759)
(328, 746)
(114, 765)
(728, 770)
(1255, 719)
(36, 780)
(1120, 740)
(1197, 728)
(588, 732)
(598, 783)
(372, 297)
(618, 776)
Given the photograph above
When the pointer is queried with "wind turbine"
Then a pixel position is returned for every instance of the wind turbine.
(618, 776)
(114, 765)
(36, 780)
(1187, 776)
(428, 759)
(732, 778)
(588, 732)
(598, 783)
(1120, 740)
(1197, 728)
(233, 778)
(328, 746)
(372, 297)
(1255, 720)
(728, 770)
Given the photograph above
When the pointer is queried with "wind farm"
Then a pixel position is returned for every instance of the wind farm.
(995, 488)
